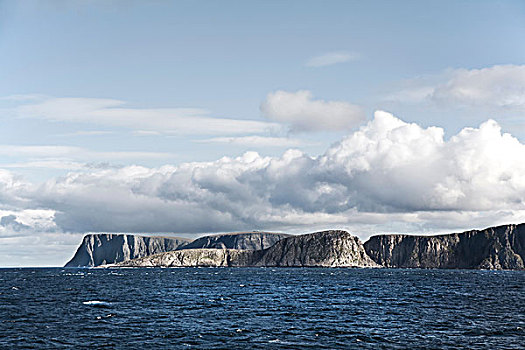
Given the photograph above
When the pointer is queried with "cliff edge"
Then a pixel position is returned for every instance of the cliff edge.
(501, 247)
(241, 240)
(101, 249)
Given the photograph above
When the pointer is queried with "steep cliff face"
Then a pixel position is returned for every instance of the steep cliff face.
(327, 248)
(241, 240)
(100, 249)
(501, 247)
(194, 258)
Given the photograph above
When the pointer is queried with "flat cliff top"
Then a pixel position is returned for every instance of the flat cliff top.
(142, 235)
(498, 228)
(240, 233)
(499, 248)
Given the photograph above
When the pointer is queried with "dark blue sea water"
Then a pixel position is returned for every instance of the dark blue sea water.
(261, 308)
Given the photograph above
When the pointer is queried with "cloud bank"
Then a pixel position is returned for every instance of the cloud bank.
(499, 86)
(113, 113)
(387, 175)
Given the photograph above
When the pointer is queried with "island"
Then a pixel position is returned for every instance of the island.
(498, 248)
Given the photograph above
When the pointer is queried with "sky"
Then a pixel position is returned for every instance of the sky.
(194, 117)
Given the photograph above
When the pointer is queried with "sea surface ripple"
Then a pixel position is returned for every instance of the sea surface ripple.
(261, 308)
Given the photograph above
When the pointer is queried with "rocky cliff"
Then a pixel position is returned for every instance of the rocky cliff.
(100, 249)
(327, 249)
(242, 240)
(105, 249)
(501, 247)
(194, 257)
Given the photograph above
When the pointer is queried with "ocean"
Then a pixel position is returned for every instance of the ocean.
(261, 308)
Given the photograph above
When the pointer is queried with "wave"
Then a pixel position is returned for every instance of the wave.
(97, 303)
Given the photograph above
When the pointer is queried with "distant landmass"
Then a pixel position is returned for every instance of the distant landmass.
(501, 247)
(102, 249)
(322, 249)
(105, 249)
(239, 240)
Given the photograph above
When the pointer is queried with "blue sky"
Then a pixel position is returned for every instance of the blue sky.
(132, 92)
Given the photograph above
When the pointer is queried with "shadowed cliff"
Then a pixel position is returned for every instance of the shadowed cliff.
(100, 249)
(501, 247)
(242, 240)
(328, 249)
(104, 249)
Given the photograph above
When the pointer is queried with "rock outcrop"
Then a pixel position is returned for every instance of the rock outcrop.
(101, 249)
(241, 240)
(501, 247)
(107, 249)
(194, 258)
(322, 249)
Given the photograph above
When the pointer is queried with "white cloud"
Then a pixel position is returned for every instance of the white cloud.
(256, 141)
(499, 86)
(37, 248)
(113, 113)
(388, 175)
(303, 113)
(400, 166)
(331, 58)
(47, 164)
(26, 220)
(88, 133)
(13, 190)
(68, 157)
(415, 94)
(146, 133)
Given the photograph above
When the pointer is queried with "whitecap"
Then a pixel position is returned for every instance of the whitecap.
(96, 303)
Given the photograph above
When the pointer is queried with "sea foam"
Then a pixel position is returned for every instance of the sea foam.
(96, 303)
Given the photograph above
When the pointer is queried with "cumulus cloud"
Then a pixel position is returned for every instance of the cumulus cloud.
(13, 190)
(499, 86)
(303, 113)
(387, 175)
(331, 58)
(10, 221)
(114, 113)
(25, 222)
(477, 169)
